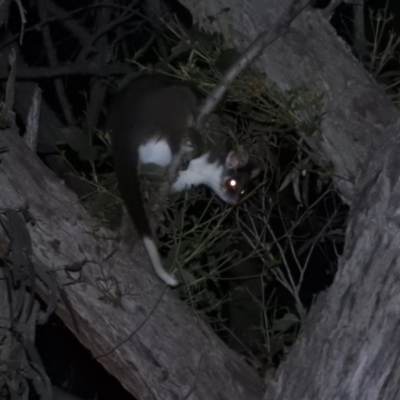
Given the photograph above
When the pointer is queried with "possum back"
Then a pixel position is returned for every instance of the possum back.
(151, 106)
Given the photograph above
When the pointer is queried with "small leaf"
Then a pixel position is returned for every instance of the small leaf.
(286, 322)
(75, 138)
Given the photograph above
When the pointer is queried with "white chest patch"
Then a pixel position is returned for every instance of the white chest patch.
(155, 151)
(200, 172)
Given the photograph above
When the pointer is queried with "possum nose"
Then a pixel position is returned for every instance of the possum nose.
(231, 200)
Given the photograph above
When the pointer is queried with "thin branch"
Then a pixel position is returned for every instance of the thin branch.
(32, 127)
(7, 115)
(4, 11)
(97, 89)
(330, 9)
(22, 13)
(68, 16)
(86, 68)
(53, 61)
(81, 33)
(280, 28)
(137, 329)
(126, 15)
(360, 43)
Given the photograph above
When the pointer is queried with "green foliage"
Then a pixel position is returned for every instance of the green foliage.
(255, 255)
(219, 250)
(383, 59)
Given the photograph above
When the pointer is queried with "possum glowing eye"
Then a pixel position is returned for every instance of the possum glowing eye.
(231, 183)
(242, 192)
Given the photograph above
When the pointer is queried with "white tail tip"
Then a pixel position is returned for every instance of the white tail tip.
(157, 263)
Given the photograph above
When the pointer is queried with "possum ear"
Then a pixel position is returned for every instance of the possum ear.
(255, 171)
(237, 159)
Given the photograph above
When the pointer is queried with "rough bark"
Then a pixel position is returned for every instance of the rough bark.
(4, 6)
(50, 126)
(18, 319)
(164, 351)
(350, 347)
(311, 55)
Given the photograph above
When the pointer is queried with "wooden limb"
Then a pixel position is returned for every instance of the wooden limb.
(170, 353)
(76, 29)
(111, 25)
(10, 89)
(12, 38)
(84, 68)
(98, 89)
(53, 61)
(22, 12)
(6, 112)
(32, 127)
(360, 41)
(4, 11)
(19, 310)
(50, 126)
(280, 28)
(331, 7)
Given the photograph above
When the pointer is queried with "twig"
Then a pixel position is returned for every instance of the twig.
(329, 10)
(124, 33)
(107, 27)
(137, 329)
(155, 9)
(23, 19)
(7, 112)
(97, 88)
(280, 28)
(32, 124)
(10, 89)
(360, 43)
(53, 61)
(37, 26)
(81, 33)
(196, 378)
(85, 68)
(4, 11)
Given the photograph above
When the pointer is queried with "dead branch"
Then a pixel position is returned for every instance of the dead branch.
(31, 136)
(331, 7)
(98, 89)
(53, 62)
(4, 10)
(84, 68)
(172, 353)
(354, 324)
(81, 33)
(278, 30)
(58, 18)
(7, 112)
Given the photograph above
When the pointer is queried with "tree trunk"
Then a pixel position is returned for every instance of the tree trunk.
(137, 328)
(350, 347)
(311, 55)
